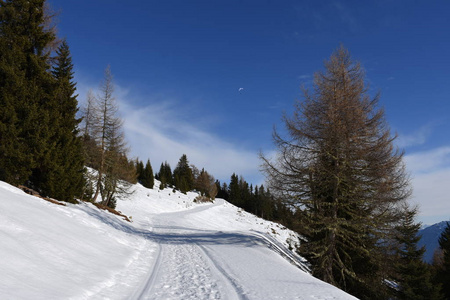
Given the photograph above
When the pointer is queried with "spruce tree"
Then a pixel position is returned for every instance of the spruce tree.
(61, 170)
(413, 275)
(26, 88)
(340, 168)
(139, 170)
(443, 270)
(165, 175)
(147, 178)
(183, 177)
(222, 190)
(234, 191)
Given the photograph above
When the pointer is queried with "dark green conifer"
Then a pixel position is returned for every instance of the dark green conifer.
(165, 175)
(413, 274)
(147, 178)
(61, 169)
(140, 170)
(234, 192)
(26, 88)
(183, 177)
(443, 268)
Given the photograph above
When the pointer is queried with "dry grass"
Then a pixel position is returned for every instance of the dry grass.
(111, 210)
(36, 194)
(202, 199)
(98, 205)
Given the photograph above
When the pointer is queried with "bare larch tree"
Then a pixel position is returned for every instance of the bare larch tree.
(339, 168)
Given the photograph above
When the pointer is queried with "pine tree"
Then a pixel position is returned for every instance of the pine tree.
(61, 176)
(222, 190)
(340, 168)
(443, 270)
(165, 175)
(183, 177)
(147, 178)
(26, 88)
(413, 276)
(234, 192)
(140, 170)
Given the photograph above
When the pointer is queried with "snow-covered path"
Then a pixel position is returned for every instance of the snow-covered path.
(195, 263)
(174, 249)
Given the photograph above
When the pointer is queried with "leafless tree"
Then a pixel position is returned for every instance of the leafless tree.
(103, 134)
(339, 167)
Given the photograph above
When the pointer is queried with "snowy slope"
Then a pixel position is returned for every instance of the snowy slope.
(174, 249)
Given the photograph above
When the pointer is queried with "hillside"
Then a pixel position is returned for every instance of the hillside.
(430, 236)
(173, 249)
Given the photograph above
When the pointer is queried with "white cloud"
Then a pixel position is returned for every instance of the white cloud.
(163, 129)
(418, 137)
(432, 194)
(430, 171)
(428, 161)
(160, 132)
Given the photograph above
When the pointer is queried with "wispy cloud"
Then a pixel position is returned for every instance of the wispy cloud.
(416, 138)
(304, 76)
(162, 129)
(429, 161)
(430, 171)
(161, 132)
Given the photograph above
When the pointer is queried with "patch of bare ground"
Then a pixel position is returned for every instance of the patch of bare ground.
(36, 194)
(112, 210)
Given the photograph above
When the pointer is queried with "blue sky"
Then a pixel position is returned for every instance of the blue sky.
(211, 78)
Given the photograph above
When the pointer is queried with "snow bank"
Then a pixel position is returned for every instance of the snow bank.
(174, 249)
(57, 252)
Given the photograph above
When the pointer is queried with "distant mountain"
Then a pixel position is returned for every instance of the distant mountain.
(430, 236)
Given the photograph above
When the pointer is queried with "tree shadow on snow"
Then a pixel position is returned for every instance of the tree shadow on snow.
(176, 234)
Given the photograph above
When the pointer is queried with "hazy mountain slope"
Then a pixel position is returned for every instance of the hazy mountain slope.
(430, 236)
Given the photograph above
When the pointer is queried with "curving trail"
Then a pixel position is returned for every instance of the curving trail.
(191, 262)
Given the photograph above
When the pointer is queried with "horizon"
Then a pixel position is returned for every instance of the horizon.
(210, 79)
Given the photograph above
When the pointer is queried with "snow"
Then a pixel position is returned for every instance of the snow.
(173, 249)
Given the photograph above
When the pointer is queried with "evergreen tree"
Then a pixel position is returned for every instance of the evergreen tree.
(165, 175)
(443, 270)
(183, 177)
(222, 190)
(140, 170)
(234, 191)
(61, 170)
(26, 88)
(413, 274)
(340, 168)
(147, 178)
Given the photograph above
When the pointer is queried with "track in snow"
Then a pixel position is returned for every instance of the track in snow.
(196, 263)
(183, 270)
